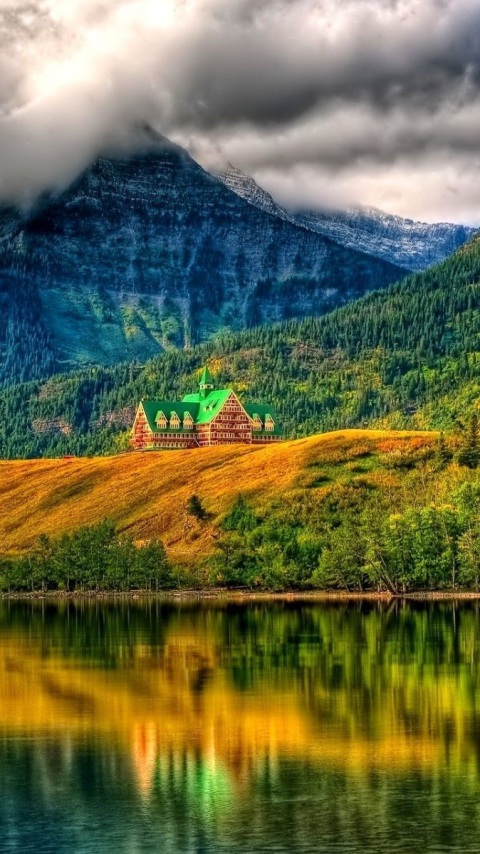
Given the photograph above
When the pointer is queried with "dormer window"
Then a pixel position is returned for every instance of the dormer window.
(161, 420)
(187, 421)
(257, 422)
(174, 421)
(269, 424)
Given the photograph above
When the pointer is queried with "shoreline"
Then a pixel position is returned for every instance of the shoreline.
(243, 596)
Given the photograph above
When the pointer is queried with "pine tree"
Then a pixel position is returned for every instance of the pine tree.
(469, 454)
(442, 454)
(196, 509)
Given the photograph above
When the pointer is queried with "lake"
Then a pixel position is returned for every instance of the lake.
(138, 727)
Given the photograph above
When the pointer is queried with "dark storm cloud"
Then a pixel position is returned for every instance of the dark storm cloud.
(348, 134)
(275, 85)
(268, 75)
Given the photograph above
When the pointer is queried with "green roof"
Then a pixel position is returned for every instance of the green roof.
(152, 408)
(206, 378)
(212, 404)
(193, 398)
(203, 410)
(262, 410)
(209, 406)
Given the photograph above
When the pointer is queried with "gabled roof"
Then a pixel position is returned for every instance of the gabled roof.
(204, 410)
(263, 410)
(193, 398)
(211, 406)
(168, 407)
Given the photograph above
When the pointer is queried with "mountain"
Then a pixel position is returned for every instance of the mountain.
(412, 245)
(152, 253)
(405, 357)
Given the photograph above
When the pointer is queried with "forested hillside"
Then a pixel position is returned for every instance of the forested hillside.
(405, 357)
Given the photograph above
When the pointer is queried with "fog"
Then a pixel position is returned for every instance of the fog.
(363, 101)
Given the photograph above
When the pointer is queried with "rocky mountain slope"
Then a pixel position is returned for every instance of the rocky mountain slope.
(152, 253)
(413, 245)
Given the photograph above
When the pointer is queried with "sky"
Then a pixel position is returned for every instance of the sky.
(325, 102)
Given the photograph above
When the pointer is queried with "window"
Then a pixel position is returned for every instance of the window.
(257, 422)
(187, 421)
(161, 421)
(269, 423)
(174, 421)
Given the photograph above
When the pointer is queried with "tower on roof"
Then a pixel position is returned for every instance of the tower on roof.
(211, 416)
(206, 383)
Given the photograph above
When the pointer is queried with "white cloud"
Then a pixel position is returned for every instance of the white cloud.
(374, 101)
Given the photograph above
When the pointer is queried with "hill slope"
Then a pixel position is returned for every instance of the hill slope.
(147, 493)
(413, 245)
(405, 357)
(151, 253)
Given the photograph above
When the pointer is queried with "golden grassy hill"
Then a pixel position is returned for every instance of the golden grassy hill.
(146, 493)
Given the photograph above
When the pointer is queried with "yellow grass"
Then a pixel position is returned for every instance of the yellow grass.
(146, 493)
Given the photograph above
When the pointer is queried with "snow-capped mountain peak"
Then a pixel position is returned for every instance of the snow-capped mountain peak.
(412, 245)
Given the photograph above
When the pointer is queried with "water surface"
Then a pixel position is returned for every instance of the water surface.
(147, 727)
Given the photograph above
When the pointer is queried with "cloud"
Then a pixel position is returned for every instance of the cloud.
(303, 56)
(360, 94)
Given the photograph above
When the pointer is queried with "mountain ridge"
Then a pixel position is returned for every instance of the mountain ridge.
(145, 254)
(413, 245)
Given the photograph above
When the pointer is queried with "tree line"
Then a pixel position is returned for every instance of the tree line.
(353, 544)
(94, 558)
(409, 523)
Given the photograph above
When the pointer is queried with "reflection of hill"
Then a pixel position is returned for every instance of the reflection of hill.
(242, 689)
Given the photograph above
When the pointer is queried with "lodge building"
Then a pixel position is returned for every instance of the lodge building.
(209, 417)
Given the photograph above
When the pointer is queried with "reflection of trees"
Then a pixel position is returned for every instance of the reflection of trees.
(357, 685)
(230, 723)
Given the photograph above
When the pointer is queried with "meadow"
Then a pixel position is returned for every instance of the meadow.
(146, 494)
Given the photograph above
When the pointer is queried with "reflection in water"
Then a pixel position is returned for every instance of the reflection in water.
(147, 727)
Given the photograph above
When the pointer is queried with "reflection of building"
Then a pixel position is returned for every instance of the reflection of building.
(198, 773)
(178, 713)
(145, 750)
(209, 417)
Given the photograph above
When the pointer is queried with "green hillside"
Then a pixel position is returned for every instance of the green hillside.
(406, 357)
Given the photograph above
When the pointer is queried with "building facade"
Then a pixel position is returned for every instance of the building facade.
(210, 417)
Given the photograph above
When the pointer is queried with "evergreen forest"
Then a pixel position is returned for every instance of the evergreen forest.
(405, 357)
